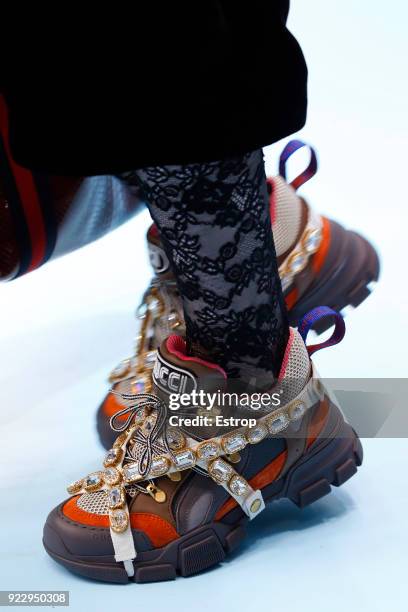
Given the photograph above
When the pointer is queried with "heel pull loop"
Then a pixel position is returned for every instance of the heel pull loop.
(307, 322)
(308, 173)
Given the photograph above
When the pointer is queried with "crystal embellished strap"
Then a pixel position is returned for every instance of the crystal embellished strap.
(224, 474)
(180, 452)
(187, 453)
(158, 316)
(307, 245)
(124, 546)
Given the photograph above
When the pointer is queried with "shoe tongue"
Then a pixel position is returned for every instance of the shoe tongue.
(177, 373)
(158, 258)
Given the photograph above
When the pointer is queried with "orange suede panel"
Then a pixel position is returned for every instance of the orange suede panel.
(159, 531)
(71, 511)
(319, 257)
(317, 423)
(267, 475)
(111, 406)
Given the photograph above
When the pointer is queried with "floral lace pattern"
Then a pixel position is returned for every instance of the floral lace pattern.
(215, 226)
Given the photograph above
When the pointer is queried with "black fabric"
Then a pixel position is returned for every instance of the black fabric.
(214, 223)
(171, 83)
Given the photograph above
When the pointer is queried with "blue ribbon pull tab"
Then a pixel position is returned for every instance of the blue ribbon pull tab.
(308, 173)
(317, 314)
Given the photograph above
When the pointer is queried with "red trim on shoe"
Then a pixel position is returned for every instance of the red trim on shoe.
(291, 298)
(317, 422)
(176, 346)
(319, 257)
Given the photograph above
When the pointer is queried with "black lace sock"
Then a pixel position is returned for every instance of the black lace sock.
(215, 225)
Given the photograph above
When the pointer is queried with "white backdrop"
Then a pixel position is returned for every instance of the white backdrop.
(64, 327)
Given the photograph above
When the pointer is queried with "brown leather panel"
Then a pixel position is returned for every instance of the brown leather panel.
(145, 503)
(208, 379)
(296, 441)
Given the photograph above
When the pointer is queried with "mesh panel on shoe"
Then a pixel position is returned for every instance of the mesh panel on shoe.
(297, 369)
(288, 216)
(94, 503)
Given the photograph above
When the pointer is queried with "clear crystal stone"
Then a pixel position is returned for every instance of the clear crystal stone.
(93, 480)
(115, 497)
(175, 439)
(141, 311)
(150, 359)
(111, 476)
(313, 240)
(297, 411)
(220, 470)
(139, 384)
(119, 520)
(234, 443)
(172, 319)
(121, 369)
(159, 466)
(257, 433)
(208, 450)
(278, 423)
(286, 281)
(112, 457)
(184, 459)
(154, 305)
(238, 485)
(131, 472)
(297, 263)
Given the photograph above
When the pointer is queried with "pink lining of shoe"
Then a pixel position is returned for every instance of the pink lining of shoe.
(153, 231)
(287, 353)
(176, 345)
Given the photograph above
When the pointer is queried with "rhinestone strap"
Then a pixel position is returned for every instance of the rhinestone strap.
(186, 453)
(157, 308)
(307, 245)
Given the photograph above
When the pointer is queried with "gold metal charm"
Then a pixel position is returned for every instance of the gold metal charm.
(158, 494)
(174, 476)
(234, 458)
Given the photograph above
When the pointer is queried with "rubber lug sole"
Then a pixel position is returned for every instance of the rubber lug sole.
(347, 286)
(328, 463)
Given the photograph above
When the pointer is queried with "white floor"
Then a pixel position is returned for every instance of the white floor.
(66, 325)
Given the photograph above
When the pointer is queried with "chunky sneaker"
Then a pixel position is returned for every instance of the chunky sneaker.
(319, 263)
(170, 501)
